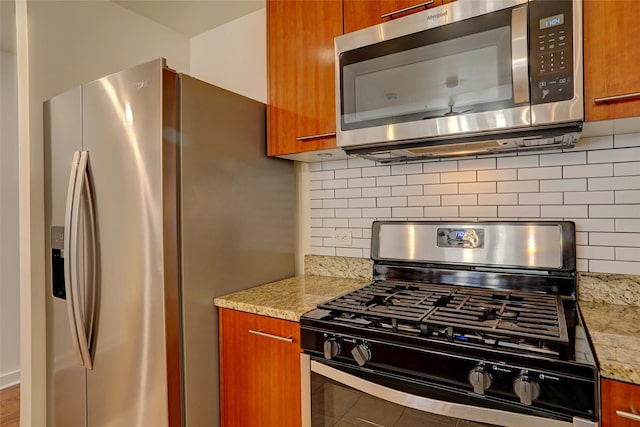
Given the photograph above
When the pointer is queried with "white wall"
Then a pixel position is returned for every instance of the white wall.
(69, 43)
(234, 56)
(596, 184)
(9, 223)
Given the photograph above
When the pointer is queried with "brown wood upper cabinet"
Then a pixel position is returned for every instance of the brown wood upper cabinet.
(301, 113)
(620, 403)
(360, 14)
(611, 59)
(259, 370)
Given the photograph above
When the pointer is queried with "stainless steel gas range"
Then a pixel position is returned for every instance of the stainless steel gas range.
(471, 323)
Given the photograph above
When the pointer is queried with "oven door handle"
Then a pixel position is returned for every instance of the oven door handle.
(454, 410)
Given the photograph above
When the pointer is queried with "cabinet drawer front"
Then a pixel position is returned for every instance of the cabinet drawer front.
(620, 402)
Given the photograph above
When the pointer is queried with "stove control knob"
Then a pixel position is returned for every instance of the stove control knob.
(526, 389)
(480, 379)
(331, 348)
(361, 354)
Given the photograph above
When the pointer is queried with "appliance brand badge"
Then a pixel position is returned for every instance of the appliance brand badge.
(437, 15)
(141, 85)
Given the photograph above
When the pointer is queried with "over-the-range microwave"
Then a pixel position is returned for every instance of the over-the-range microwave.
(468, 77)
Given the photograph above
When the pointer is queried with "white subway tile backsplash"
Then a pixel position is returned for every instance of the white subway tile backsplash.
(587, 171)
(336, 222)
(614, 155)
(441, 212)
(346, 193)
(562, 159)
(630, 168)
(440, 189)
(594, 143)
(619, 211)
(334, 164)
(348, 173)
(578, 184)
(428, 178)
(467, 176)
(498, 199)
(614, 267)
(410, 212)
(479, 211)
(363, 203)
(587, 224)
(376, 192)
(321, 194)
(376, 171)
(595, 252)
(349, 252)
(384, 202)
(498, 175)
(631, 225)
(540, 199)
(408, 169)
(519, 211)
(376, 212)
(359, 162)
(518, 187)
(574, 211)
(615, 239)
(616, 183)
(458, 200)
(349, 213)
(323, 251)
(408, 190)
(361, 182)
(588, 198)
(423, 201)
(320, 175)
(518, 162)
(476, 164)
(391, 180)
(627, 254)
(440, 166)
(628, 140)
(334, 183)
(553, 172)
(594, 185)
(477, 187)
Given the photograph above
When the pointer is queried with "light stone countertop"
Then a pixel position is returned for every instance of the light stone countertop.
(289, 299)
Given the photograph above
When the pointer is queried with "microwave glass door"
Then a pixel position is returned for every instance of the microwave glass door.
(463, 67)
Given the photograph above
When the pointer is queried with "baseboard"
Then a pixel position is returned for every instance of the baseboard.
(9, 379)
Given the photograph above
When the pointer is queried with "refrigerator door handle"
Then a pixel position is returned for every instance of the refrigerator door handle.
(90, 285)
(69, 264)
(84, 320)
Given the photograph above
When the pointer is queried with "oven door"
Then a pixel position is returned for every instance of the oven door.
(332, 397)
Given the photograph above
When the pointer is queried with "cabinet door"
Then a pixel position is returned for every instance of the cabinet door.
(619, 396)
(301, 107)
(611, 58)
(259, 375)
(360, 14)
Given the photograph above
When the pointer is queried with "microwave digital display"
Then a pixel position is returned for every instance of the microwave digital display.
(552, 21)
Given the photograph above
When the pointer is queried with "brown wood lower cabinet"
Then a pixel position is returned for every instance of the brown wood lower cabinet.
(259, 373)
(622, 397)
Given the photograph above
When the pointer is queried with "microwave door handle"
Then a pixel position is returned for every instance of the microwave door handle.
(520, 55)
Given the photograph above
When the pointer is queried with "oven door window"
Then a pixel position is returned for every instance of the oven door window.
(336, 404)
(459, 68)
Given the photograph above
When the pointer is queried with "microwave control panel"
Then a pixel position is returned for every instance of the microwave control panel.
(551, 50)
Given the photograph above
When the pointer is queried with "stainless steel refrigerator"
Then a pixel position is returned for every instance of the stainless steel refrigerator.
(159, 196)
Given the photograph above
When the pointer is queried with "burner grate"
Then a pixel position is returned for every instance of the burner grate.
(494, 314)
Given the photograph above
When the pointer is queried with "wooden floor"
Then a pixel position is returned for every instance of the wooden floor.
(10, 407)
